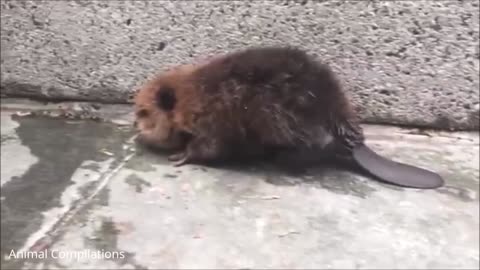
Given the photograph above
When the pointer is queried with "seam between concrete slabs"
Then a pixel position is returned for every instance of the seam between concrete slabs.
(49, 231)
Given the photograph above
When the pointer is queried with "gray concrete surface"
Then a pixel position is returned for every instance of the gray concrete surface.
(80, 193)
(404, 62)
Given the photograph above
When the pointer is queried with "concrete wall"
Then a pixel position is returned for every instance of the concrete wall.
(403, 62)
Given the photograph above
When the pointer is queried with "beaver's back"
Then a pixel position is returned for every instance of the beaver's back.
(271, 95)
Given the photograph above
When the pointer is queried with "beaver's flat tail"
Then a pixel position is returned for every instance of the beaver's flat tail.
(393, 172)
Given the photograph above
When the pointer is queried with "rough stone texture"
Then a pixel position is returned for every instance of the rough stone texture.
(403, 62)
(91, 200)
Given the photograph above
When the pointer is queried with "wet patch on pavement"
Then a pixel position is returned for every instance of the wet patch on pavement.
(137, 183)
(61, 149)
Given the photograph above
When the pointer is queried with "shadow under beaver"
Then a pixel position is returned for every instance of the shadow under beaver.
(307, 166)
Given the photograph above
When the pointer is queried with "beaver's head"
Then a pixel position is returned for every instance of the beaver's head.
(156, 109)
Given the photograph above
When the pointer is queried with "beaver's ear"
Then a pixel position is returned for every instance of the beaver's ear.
(166, 99)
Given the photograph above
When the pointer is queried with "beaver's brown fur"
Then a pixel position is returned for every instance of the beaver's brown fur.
(260, 102)
(247, 102)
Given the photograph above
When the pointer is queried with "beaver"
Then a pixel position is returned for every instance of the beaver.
(260, 102)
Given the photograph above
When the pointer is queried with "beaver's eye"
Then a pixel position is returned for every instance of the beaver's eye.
(166, 99)
(142, 113)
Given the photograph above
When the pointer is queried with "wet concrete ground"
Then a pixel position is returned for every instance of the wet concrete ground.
(77, 194)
